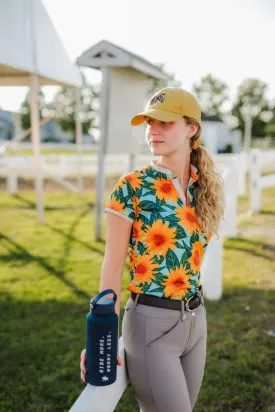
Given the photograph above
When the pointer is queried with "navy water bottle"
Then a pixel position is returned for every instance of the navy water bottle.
(102, 340)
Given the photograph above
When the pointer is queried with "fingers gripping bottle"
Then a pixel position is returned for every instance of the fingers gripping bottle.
(102, 340)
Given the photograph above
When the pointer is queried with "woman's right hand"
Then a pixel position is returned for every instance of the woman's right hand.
(83, 364)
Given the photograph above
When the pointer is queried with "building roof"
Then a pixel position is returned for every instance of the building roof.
(29, 43)
(105, 53)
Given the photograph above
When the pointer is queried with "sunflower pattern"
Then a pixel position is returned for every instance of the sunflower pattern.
(166, 246)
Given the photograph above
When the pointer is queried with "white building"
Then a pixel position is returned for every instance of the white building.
(216, 135)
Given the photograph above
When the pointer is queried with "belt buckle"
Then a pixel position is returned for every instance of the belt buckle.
(187, 305)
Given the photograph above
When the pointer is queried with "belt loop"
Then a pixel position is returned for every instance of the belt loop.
(202, 298)
(136, 300)
(183, 316)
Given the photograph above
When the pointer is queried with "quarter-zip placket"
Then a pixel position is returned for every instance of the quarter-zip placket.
(175, 181)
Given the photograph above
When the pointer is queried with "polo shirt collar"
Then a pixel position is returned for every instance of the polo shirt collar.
(194, 170)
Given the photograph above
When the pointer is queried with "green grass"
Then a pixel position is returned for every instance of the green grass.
(49, 273)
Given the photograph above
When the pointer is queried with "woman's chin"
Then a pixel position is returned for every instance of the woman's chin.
(156, 151)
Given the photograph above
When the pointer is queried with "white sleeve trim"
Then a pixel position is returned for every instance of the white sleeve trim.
(115, 212)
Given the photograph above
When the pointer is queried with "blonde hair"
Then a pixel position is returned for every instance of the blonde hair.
(209, 194)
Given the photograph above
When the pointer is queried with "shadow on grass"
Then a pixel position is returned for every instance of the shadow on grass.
(41, 344)
(267, 212)
(28, 204)
(42, 341)
(236, 244)
(18, 253)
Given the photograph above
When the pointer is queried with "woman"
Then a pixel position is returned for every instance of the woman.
(167, 213)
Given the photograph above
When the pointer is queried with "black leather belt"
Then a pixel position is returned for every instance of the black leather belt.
(190, 305)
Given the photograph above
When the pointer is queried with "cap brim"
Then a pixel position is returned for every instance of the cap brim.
(161, 115)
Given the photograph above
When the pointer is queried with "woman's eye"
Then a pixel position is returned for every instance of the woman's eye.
(149, 121)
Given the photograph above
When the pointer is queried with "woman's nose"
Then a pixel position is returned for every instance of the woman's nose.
(153, 129)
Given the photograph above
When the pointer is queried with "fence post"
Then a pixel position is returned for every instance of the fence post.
(12, 181)
(255, 180)
(212, 268)
(231, 194)
(242, 174)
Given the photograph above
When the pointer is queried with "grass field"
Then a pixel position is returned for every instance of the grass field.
(49, 273)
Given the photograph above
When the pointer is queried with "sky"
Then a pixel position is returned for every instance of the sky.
(232, 39)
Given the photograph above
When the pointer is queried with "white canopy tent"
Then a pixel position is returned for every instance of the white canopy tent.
(32, 54)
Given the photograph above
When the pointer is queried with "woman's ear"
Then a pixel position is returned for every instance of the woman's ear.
(193, 129)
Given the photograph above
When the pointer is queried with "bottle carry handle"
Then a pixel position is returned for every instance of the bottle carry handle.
(101, 294)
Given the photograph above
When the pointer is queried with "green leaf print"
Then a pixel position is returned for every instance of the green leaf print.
(150, 172)
(187, 266)
(141, 248)
(181, 234)
(157, 259)
(155, 215)
(120, 195)
(158, 290)
(185, 256)
(160, 202)
(149, 192)
(179, 245)
(145, 219)
(148, 205)
(172, 219)
(194, 238)
(172, 262)
(186, 246)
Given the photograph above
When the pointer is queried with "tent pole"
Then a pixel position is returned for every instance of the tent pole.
(79, 141)
(35, 134)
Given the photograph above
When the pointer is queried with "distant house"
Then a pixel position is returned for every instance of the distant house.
(217, 137)
(49, 132)
(7, 126)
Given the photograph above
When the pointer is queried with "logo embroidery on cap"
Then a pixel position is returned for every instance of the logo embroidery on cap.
(160, 97)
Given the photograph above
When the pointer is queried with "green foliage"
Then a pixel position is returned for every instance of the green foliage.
(228, 149)
(63, 106)
(26, 110)
(251, 92)
(270, 129)
(212, 94)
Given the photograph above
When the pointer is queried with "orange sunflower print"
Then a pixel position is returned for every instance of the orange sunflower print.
(132, 258)
(144, 269)
(177, 285)
(137, 231)
(208, 237)
(165, 190)
(136, 206)
(134, 180)
(188, 219)
(194, 177)
(159, 238)
(116, 205)
(196, 258)
(133, 288)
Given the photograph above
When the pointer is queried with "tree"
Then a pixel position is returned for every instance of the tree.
(212, 94)
(270, 126)
(25, 109)
(156, 84)
(62, 108)
(252, 93)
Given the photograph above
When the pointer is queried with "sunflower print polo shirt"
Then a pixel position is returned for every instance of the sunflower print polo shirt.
(166, 245)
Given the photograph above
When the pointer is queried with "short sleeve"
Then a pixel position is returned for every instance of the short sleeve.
(121, 200)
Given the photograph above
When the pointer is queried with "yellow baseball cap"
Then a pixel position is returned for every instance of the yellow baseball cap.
(170, 104)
